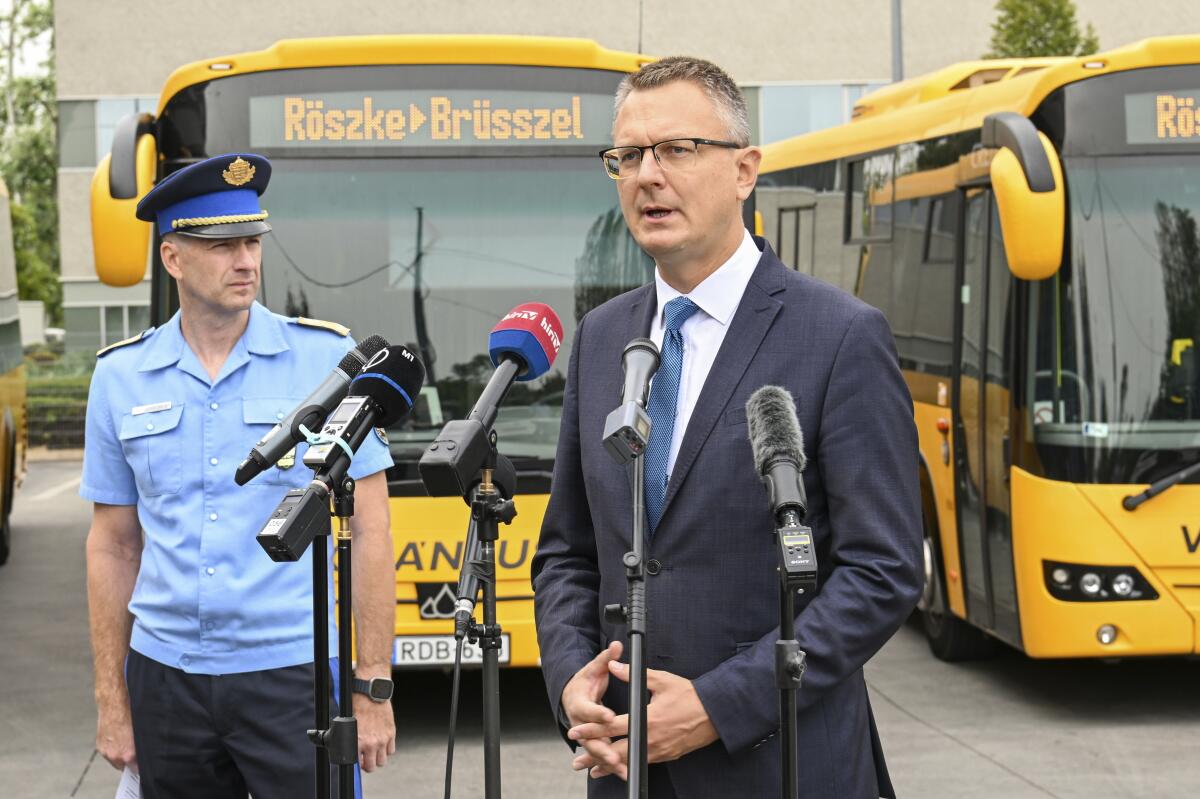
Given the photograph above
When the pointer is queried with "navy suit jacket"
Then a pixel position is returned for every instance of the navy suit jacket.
(714, 604)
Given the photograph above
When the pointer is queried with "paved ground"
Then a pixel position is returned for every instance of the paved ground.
(1010, 727)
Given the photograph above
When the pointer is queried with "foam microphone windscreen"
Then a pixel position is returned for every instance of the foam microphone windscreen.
(392, 378)
(352, 362)
(774, 428)
(532, 333)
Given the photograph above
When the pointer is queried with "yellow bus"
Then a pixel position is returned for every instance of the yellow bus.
(422, 187)
(12, 380)
(1030, 230)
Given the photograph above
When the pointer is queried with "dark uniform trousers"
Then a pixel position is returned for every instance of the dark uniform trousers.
(200, 736)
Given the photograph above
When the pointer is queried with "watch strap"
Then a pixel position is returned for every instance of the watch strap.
(364, 687)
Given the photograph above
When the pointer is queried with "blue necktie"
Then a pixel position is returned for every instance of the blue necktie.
(664, 398)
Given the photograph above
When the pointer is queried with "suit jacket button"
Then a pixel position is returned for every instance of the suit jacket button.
(653, 567)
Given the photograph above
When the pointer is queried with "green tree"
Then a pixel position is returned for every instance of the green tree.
(28, 152)
(1025, 28)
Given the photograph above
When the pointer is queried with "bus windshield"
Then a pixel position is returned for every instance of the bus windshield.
(422, 203)
(1128, 324)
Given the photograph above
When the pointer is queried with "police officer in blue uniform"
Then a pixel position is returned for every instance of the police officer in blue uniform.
(202, 644)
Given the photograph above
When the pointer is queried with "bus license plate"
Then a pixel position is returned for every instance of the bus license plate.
(438, 650)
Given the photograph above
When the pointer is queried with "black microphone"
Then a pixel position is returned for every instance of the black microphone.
(778, 449)
(310, 413)
(380, 396)
(522, 347)
(627, 428)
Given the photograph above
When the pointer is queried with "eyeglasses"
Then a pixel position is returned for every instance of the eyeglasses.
(671, 155)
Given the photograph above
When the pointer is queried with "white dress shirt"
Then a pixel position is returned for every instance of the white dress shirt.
(717, 297)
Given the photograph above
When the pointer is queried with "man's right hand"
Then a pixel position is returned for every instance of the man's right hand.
(581, 702)
(114, 736)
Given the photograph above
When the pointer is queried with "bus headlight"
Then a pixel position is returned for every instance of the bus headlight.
(1082, 582)
(1090, 584)
(1106, 634)
(1122, 584)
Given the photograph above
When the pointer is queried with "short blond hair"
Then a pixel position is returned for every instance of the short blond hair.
(716, 83)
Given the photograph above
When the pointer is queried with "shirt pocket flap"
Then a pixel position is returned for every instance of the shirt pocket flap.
(150, 424)
(267, 410)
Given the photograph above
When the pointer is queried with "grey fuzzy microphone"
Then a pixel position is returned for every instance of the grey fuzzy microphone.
(778, 448)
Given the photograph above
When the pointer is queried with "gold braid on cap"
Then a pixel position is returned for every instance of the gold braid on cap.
(200, 221)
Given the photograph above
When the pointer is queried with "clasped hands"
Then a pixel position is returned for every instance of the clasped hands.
(676, 722)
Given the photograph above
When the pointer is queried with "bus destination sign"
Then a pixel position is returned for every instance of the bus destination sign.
(1167, 117)
(429, 119)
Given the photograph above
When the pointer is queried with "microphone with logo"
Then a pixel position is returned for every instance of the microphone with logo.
(381, 395)
(523, 346)
(310, 413)
(778, 450)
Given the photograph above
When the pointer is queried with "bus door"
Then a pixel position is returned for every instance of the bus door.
(981, 418)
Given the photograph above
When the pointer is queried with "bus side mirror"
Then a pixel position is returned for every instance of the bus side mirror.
(1028, 185)
(121, 241)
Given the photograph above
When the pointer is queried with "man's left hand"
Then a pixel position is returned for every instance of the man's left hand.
(676, 722)
(376, 732)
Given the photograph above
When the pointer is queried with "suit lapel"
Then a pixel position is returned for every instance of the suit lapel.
(754, 316)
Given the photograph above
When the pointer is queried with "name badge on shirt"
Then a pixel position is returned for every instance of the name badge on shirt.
(157, 406)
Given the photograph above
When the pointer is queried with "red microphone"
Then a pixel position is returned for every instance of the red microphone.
(523, 346)
(532, 334)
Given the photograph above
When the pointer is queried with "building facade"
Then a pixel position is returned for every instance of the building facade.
(803, 64)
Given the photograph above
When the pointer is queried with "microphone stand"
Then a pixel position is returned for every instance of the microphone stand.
(633, 613)
(797, 574)
(488, 509)
(336, 741)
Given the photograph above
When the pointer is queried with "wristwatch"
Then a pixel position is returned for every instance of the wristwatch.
(377, 689)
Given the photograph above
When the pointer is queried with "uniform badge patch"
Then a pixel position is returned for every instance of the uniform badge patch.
(288, 460)
(382, 434)
(239, 173)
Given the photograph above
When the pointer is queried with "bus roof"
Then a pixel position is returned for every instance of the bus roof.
(958, 97)
(340, 51)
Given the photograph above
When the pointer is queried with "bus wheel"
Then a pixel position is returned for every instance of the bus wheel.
(950, 638)
(10, 459)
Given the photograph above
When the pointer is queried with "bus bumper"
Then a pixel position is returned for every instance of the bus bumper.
(1069, 523)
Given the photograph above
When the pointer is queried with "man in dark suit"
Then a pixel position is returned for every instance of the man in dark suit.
(729, 318)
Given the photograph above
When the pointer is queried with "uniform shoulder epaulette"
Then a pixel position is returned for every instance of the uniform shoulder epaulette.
(131, 340)
(332, 327)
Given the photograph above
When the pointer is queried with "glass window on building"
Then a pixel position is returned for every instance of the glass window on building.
(114, 324)
(91, 328)
(110, 111)
(138, 319)
(82, 327)
(787, 110)
(85, 127)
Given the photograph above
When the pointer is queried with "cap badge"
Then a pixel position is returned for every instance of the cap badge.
(239, 173)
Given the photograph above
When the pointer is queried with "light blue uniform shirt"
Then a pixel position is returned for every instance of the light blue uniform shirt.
(162, 435)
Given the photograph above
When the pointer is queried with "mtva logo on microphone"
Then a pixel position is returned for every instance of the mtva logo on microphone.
(551, 333)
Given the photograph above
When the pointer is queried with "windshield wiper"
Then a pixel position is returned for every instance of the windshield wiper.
(1132, 501)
